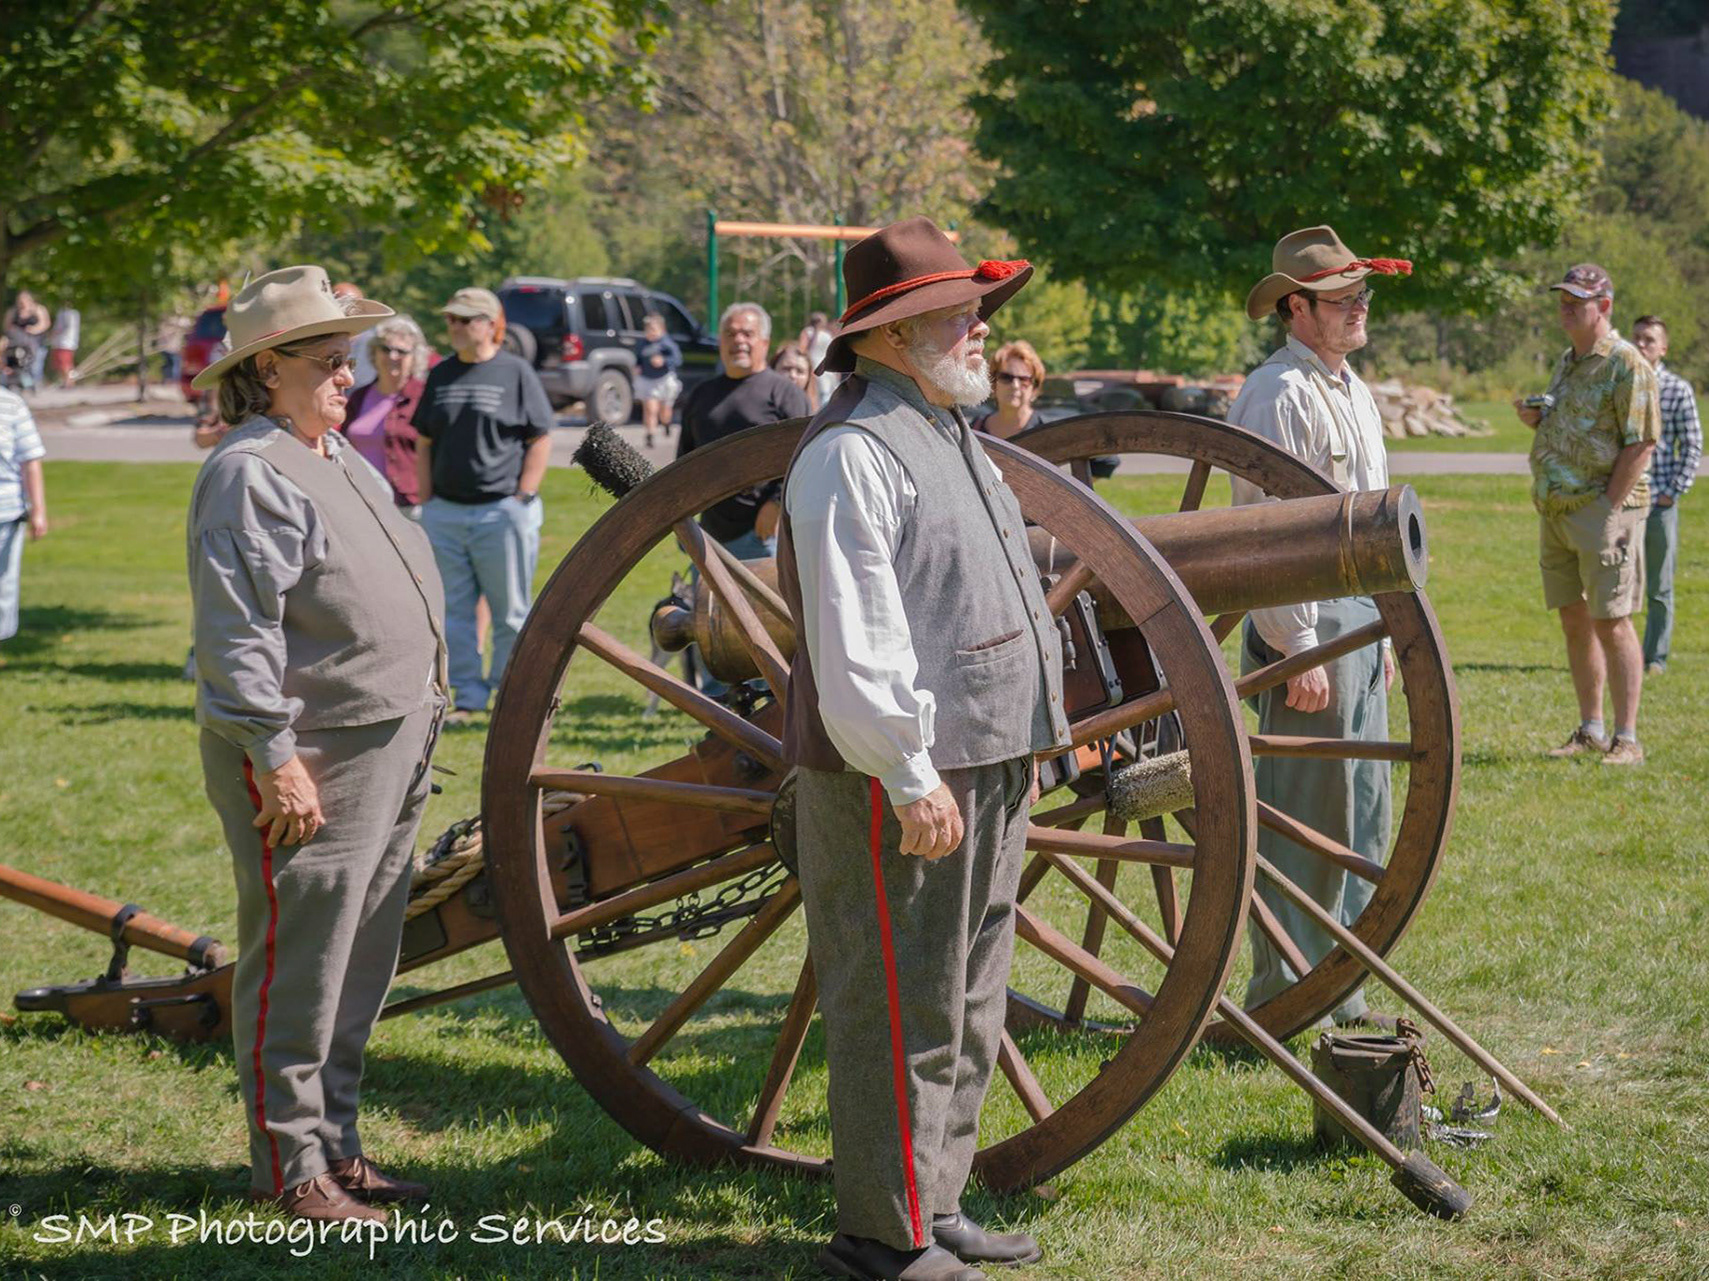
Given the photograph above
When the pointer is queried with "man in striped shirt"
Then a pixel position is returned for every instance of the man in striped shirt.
(23, 500)
(1671, 472)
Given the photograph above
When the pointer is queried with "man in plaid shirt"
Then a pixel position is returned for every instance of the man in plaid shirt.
(1671, 472)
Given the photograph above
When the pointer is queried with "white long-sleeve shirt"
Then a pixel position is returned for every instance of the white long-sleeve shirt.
(1325, 419)
(849, 499)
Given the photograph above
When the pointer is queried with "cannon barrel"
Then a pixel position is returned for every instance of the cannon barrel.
(1228, 558)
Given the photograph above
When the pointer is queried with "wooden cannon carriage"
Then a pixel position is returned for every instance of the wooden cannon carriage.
(1121, 965)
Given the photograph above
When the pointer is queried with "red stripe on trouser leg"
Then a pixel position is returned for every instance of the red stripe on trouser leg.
(266, 982)
(893, 994)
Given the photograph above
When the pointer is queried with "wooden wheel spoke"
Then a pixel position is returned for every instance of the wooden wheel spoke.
(1286, 669)
(752, 634)
(731, 800)
(1075, 579)
(1095, 845)
(663, 890)
(1194, 494)
(1106, 724)
(796, 1020)
(683, 696)
(1074, 958)
(1092, 938)
(1223, 624)
(755, 585)
(1027, 1088)
(1334, 749)
(1089, 886)
(729, 959)
(1163, 881)
(1312, 839)
(1072, 814)
(1271, 928)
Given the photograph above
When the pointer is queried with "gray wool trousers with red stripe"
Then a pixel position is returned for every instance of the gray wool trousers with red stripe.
(904, 1127)
(318, 927)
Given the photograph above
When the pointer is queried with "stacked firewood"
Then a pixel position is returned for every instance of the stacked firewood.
(1412, 409)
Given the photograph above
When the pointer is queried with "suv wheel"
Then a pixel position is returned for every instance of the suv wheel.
(520, 342)
(613, 398)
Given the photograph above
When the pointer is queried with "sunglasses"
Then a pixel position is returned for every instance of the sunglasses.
(332, 363)
(1360, 299)
(1016, 378)
(397, 351)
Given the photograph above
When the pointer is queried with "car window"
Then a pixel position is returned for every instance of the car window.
(636, 307)
(533, 307)
(210, 325)
(594, 312)
(677, 321)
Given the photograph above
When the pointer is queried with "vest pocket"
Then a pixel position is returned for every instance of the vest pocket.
(985, 649)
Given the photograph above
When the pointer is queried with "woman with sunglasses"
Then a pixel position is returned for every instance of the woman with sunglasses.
(1017, 375)
(320, 681)
(377, 419)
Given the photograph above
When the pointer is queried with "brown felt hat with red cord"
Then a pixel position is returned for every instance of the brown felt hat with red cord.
(909, 268)
(1314, 259)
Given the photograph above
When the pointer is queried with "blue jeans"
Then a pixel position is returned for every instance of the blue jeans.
(1661, 550)
(748, 546)
(483, 549)
(12, 535)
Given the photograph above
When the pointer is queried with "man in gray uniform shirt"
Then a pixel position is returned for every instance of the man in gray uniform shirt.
(320, 680)
(929, 675)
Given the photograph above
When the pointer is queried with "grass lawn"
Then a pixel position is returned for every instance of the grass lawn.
(1510, 436)
(1566, 931)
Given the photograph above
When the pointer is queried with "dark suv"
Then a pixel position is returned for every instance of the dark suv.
(581, 335)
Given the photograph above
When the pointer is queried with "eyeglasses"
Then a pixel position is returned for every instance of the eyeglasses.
(465, 320)
(1016, 378)
(333, 362)
(397, 351)
(1360, 299)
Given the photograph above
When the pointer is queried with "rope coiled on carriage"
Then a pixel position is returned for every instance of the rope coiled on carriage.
(458, 857)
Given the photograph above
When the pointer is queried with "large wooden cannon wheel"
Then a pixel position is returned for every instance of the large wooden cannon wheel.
(1429, 753)
(627, 868)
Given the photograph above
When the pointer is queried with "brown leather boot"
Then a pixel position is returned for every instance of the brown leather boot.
(321, 1198)
(360, 1177)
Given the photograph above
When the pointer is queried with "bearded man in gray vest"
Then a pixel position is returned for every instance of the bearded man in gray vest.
(930, 673)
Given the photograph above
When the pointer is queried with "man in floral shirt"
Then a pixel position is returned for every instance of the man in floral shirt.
(1590, 483)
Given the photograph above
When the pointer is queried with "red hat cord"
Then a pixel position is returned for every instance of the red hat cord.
(1381, 266)
(990, 269)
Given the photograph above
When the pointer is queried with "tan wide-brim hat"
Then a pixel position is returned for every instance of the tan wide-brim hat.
(1314, 259)
(287, 306)
(909, 268)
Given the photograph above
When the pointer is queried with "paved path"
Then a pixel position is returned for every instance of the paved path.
(108, 424)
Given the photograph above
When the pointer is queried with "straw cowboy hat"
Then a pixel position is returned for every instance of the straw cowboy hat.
(1316, 260)
(908, 268)
(282, 307)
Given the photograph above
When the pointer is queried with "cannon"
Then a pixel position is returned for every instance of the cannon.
(1120, 969)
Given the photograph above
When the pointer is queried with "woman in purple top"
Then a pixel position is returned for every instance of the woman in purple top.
(377, 418)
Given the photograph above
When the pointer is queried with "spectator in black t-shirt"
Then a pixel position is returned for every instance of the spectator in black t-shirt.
(485, 427)
(746, 394)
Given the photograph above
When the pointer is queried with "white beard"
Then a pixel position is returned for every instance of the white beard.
(965, 384)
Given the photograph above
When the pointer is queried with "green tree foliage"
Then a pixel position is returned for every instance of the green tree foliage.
(1169, 143)
(156, 131)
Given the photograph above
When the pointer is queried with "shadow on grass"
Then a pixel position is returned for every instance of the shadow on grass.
(41, 626)
(105, 671)
(1283, 1152)
(107, 713)
(1510, 667)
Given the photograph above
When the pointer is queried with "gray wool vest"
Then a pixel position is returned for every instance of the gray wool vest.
(987, 647)
(364, 627)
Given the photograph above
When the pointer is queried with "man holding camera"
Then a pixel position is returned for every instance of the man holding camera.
(1596, 426)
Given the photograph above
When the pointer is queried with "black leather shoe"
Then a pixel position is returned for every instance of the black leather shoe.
(965, 1239)
(869, 1260)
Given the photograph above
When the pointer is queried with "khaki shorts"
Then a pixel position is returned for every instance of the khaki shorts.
(1594, 554)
